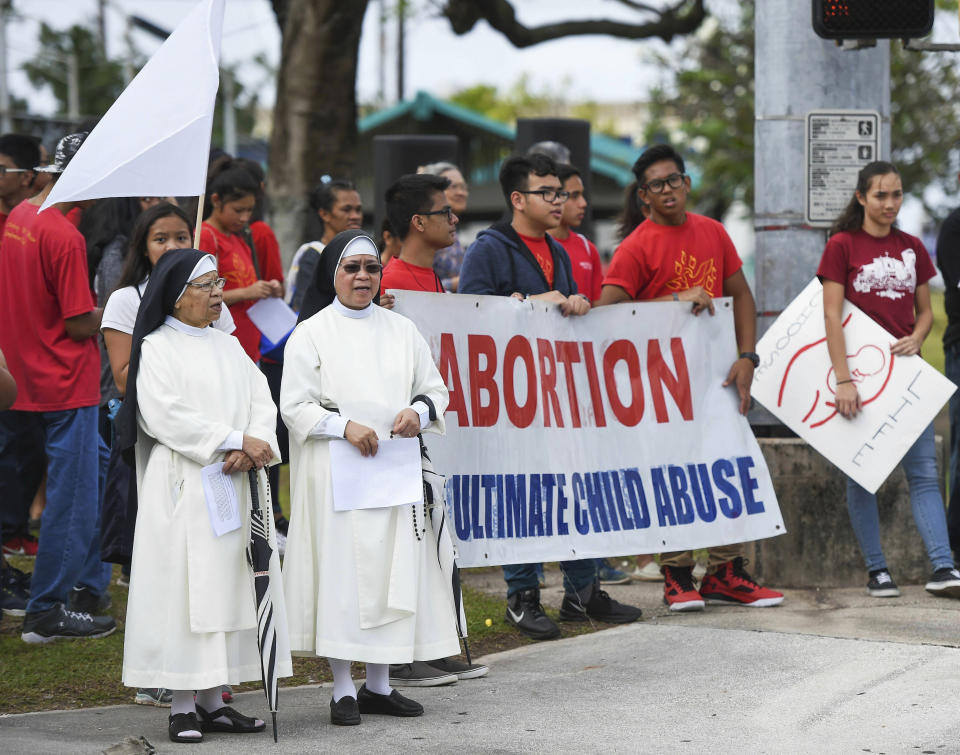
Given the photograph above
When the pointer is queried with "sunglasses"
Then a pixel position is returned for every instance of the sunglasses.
(371, 268)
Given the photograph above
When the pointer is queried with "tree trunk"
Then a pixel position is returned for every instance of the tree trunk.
(315, 117)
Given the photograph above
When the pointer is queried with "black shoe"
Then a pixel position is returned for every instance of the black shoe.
(13, 594)
(592, 602)
(881, 585)
(944, 583)
(419, 674)
(281, 525)
(85, 600)
(393, 704)
(181, 722)
(525, 612)
(344, 712)
(57, 623)
(236, 722)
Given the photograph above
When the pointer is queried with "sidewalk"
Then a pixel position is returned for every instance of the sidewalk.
(831, 671)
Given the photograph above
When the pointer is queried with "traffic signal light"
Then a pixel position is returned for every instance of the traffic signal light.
(872, 19)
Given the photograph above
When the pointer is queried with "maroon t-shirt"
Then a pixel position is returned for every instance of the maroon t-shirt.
(879, 275)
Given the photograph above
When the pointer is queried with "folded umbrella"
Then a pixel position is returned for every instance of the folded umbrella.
(258, 555)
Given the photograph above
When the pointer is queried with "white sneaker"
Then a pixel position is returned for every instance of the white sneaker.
(699, 570)
(649, 573)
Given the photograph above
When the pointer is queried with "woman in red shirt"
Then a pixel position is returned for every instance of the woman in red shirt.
(231, 197)
(885, 272)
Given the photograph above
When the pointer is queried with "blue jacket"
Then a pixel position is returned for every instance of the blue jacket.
(498, 263)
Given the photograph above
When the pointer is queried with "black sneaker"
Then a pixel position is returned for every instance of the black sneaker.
(85, 600)
(944, 583)
(14, 591)
(881, 585)
(419, 674)
(281, 525)
(525, 612)
(57, 623)
(594, 603)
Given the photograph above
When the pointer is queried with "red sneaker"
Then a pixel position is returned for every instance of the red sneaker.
(22, 545)
(679, 592)
(732, 585)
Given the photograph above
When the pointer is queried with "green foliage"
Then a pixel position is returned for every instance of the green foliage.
(705, 107)
(100, 80)
(520, 101)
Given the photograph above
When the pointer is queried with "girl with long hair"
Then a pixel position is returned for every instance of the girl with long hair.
(885, 272)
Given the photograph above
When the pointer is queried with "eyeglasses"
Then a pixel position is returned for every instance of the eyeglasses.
(4, 170)
(371, 268)
(446, 210)
(210, 285)
(549, 195)
(674, 181)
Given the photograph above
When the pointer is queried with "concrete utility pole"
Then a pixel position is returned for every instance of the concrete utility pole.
(796, 72)
(229, 113)
(73, 87)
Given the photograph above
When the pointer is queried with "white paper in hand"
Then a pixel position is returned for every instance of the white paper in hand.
(391, 478)
(222, 503)
(273, 318)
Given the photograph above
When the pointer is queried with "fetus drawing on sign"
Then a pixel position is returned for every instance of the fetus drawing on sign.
(870, 368)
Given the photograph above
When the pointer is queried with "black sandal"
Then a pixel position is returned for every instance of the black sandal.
(181, 722)
(239, 723)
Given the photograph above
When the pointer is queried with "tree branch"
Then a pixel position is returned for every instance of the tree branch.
(683, 17)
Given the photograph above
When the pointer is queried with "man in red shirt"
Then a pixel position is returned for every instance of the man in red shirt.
(678, 255)
(420, 216)
(52, 354)
(19, 155)
(584, 257)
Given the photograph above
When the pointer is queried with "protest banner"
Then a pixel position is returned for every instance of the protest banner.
(796, 383)
(579, 437)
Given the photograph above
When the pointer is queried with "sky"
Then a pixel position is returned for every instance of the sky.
(598, 68)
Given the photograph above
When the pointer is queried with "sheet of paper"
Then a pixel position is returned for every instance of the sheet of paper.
(391, 478)
(222, 503)
(273, 318)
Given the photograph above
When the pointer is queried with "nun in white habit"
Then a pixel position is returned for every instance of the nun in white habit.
(193, 399)
(361, 585)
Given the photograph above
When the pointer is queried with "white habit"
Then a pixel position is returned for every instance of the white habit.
(359, 584)
(191, 614)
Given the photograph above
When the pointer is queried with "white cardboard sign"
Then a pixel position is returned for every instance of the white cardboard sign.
(796, 383)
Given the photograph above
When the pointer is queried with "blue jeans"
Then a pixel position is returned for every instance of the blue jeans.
(951, 365)
(69, 552)
(576, 575)
(920, 466)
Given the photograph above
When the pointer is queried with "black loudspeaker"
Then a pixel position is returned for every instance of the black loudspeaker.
(397, 155)
(572, 133)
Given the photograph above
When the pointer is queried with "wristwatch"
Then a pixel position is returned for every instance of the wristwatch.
(752, 356)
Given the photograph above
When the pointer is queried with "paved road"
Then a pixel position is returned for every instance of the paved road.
(884, 679)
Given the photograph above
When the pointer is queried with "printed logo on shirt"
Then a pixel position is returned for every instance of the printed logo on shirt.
(689, 273)
(889, 277)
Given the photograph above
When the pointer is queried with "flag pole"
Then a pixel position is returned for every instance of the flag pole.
(196, 235)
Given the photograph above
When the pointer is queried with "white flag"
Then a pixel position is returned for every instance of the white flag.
(155, 139)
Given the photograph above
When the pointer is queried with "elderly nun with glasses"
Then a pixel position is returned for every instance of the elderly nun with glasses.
(361, 584)
(194, 400)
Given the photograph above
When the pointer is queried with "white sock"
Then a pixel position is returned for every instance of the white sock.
(183, 703)
(342, 682)
(210, 699)
(378, 678)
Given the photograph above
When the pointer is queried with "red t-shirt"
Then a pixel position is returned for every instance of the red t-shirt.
(879, 275)
(43, 281)
(3, 222)
(74, 216)
(235, 263)
(541, 250)
(405, 276)
(268, 251)
(657, 260)
(585, 261)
